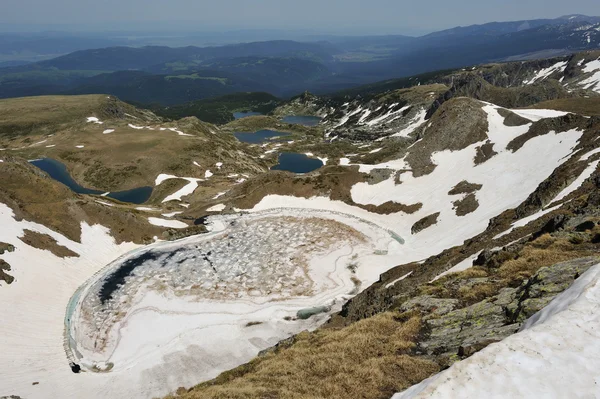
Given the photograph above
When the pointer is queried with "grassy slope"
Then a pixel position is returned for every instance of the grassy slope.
(583, 106)
(124, 159)
(369, 359)
(34, 196)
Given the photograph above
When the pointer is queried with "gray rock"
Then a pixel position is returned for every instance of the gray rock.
(433, 306)
(468, 326)
(378, 175)
(462, 332)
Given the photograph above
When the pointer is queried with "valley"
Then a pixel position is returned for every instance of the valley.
(377, 235)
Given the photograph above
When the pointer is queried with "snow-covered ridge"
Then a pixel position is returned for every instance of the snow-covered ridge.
(546, 72)
(381, 120)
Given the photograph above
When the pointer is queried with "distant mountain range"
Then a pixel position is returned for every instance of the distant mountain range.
(165, 75)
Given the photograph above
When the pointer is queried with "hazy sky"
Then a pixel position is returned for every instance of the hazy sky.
(376, 16)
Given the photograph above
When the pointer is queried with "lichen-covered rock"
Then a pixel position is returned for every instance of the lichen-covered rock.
(427, 303)
(483, 321)
(546, 284)
(451, 332)
(378, 175)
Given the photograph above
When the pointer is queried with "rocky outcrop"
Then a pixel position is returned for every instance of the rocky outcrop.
(473, 85)
(451, 332)
(304, 104)
(424, 223)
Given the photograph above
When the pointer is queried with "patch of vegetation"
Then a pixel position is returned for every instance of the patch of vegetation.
(424, 223)
(466, 205)
(4, 247)
(464, 187)
(484, 152)
(390, 207)
(5, 267)
(580, 105)
(512, 119)
(371, 359)
(44, 241)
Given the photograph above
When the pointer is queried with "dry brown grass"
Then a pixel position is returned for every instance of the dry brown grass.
(545, 251)
(44, 241)
(464, 187)
(582, 106)
(510, 268)
(466, 205)
(370, 359)
(477, 292)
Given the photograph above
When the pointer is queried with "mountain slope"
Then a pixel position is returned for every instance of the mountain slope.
(421, 240)
(462, 311)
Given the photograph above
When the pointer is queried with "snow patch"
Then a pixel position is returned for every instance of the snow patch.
(216, 208)
(185, 190)
(176, 224)
(398, 280)
(415, 123)
(535, 115)
(171, 214)
(93, 119)
(577, 182)
(546, 72)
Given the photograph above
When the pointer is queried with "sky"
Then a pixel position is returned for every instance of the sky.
(318, 16)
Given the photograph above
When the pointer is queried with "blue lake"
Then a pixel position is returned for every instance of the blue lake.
(58, 172)
(303, 120)
(258, 137)
(240, 115)
(297, 163)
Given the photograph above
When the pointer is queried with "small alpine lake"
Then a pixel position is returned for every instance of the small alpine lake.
(258, 137)
(304, 120)
(59, 172)
(297, 163)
